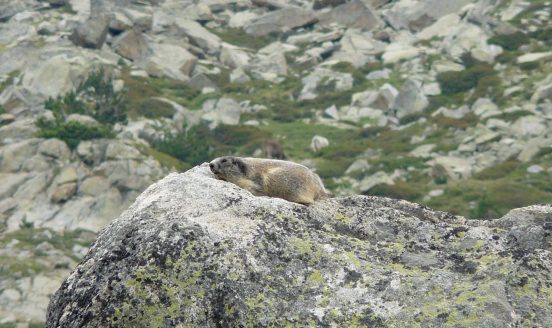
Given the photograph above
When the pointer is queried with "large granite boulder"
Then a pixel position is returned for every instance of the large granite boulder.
(196, 251)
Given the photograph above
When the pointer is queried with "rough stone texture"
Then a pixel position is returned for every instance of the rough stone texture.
(197, 251)
(280, 21)
(92, 33)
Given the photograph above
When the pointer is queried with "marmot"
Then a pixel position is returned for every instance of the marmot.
(271, 177)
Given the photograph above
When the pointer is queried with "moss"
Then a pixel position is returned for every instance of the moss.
(498, 171)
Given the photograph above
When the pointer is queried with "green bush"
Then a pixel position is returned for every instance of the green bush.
(191, 146)
(455, 82)
(71, 132)
(94, 97)
(510, 42)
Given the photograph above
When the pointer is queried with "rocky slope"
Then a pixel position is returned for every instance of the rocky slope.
(193, 250)
(445, 103)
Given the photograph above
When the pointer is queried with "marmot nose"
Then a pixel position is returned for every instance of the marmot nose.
(212, 166)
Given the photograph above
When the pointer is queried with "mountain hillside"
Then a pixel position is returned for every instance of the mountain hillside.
(445, 103)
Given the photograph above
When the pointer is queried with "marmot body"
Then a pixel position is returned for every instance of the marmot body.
(270, 177)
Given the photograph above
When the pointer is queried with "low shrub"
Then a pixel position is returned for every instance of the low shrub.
(400, 190)
(455, 82)
(71, 132)
(510, 42)
(192, 146)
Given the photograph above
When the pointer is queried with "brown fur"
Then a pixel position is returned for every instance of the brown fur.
(270, 177)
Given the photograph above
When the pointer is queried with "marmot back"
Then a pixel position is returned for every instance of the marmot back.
(269, 177)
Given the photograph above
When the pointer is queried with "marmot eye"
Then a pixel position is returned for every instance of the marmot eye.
(224, 160)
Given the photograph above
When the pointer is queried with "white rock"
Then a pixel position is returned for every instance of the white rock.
(422, 151)
(396, 52)
(239, 76)
(331, 112)
(535, 169)
(375, 179)
(318, 142)
(240, 19)
(360, 165)
(533, 57)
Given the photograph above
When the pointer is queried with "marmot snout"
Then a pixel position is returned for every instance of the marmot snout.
(270, 177)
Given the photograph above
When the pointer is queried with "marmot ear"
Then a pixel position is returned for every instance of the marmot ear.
(241, 166)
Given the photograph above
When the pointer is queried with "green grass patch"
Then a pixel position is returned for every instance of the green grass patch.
(72, 133)
(510, 42)
(164, 159)
(400, 190)
(154, 108)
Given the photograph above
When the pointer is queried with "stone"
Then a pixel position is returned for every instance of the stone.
(82, 119)
(379, 74)
(233, 239)
(6, 119)
(358, 47)
(375, 179)
(534, 169)
(331, 112)
(221, 111)
(200, 36)
(422, 151)
(241, 19)
(92, 33)
(359, 165)
(63, 192)
(56, 75)
(353, 14)
(168, 60)
(485, 108)
(529, 126)
(239, 76)
(46, 28)
(332, 81)
(233, 56)
(442, 27)
(318, 142)
(436, 193)
(410, 100)
(94, 186)
(141, 19)
(120, 22)
(280, 21)
(455, 167)
(131, 45)
(55, 148)
(532, 148)
(13, 156)
(534, 57)
(68, 174)
(543, 92)
(396, 52)
(10, 183)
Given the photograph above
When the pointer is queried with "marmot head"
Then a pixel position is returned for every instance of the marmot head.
(228, 166)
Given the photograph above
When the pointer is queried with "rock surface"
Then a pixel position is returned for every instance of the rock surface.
(179, 257)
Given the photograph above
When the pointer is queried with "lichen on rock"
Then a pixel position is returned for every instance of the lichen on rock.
(196, 251)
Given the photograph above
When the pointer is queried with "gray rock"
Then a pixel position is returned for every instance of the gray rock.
(221, 111)
(8, 8)
(375, 179)
(318, 142)
(239, 76)
(280, 21)
(63, 192)
(535, 169)
(131, 45)
(232, 257)
(410, 100)
(200, 36)
(168, 60)
(353, 14)
(92, 33)
(322, 80)
(82, 119)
